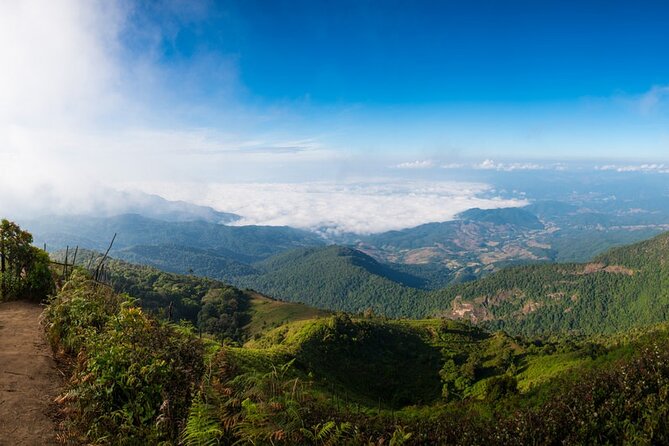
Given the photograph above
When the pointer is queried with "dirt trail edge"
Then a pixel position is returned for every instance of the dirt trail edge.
(29, 380)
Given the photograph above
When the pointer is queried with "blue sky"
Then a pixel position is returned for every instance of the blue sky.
(426, 52)
(159, 94)
(519, 79)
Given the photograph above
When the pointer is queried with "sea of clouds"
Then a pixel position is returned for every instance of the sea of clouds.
(351, 207)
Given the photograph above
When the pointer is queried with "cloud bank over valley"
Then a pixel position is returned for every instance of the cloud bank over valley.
(357, 207)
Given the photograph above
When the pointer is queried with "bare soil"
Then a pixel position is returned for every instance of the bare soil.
(29, 379)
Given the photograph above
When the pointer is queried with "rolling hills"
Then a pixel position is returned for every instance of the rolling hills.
(620, 289)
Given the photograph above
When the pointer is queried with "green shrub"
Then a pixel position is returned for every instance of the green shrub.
(134, 376)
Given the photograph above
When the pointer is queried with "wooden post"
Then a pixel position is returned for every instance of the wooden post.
(97, 270)
(74, 259)
(67, 251)
(90, 262)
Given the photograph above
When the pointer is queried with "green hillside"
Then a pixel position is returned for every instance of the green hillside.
(623, 288)
(336, 278)
(211, 305)
(398, 363)
(266, 313)
(182, 260)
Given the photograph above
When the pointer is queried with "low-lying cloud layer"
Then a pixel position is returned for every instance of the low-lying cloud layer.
(352, 207)
(487, 164)
(652, 168)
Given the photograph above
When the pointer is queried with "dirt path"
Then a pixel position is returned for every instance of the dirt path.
(29, 380)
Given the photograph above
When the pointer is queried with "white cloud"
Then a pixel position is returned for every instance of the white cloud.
(418, 164)
(453, 166)
(507, 167)
(58, 59)
(653, 167)
(347, 207)
(489, 164)
(78, 111)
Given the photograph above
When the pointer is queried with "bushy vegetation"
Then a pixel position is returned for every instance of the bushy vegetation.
(620, 397)
(24, 269)
(132, 376)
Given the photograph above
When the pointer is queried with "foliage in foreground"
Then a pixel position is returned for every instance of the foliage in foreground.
(621, 401)
(132, 377)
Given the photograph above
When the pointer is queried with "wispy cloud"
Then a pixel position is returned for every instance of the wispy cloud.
(490, 164)
(653, 98)
(653, 168)
(418, 164)
(508, 167)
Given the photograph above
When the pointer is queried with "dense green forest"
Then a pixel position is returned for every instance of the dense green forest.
(24, 269)
(182, 259)
(620, 289)
(336, 278)
(623, 288)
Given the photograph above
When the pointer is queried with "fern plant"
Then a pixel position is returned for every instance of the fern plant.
(327, 434)
(202, 427)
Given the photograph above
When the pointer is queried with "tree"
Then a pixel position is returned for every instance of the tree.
(23, 268)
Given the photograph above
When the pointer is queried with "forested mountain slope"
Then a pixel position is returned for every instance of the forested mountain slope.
(183, 260)
(211, 305)
(623, 288)
(242, 244)
(336, 278)
(518, 217)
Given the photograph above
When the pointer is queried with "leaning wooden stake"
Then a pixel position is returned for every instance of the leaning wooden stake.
(74, 259)
(67, 252)
(90, 261)
(97, 270)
